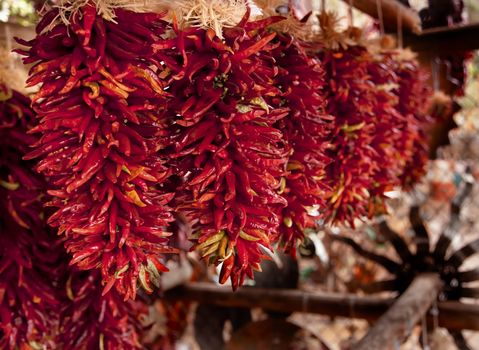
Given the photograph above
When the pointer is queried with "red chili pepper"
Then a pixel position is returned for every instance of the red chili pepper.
(99, 142)
(28, 302)
(226, 269)
(255, 48)
(218, 107)
(263, 23)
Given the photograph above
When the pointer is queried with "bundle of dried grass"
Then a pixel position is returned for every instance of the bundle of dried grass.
(332, 37)
(106, 8)
(214, 14)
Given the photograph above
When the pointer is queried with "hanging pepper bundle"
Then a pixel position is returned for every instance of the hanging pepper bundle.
(399, 73)
(90, 320)
(100, 134)
(390, 132)
(228, 152)
(306, 129)
(27, 295)
(372, 133)
(413, 102)
(355, 162)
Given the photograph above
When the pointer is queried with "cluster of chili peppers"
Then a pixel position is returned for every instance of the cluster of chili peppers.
(307, 127)
(413, 92)
(252, 137)
(100, 137)
(352, 102)
(390, 131)
(27, 254)
(378, 141)
(90, 320)
(225, 146)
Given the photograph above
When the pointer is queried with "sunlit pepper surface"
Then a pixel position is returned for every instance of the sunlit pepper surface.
(27, 255)
(100, 126)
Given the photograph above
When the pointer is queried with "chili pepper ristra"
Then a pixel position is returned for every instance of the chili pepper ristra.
(28, 251)
(226, 149)
(100, 124)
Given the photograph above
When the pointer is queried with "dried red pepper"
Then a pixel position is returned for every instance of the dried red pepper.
(414, 96)
(306, 128)
(228, 152)
(90, 320)
(390, 132)
(364, 124)
(100, 127)
(27, 252)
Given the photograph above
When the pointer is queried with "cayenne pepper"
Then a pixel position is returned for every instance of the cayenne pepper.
(28, 252)
(227, 152)
(100, 126)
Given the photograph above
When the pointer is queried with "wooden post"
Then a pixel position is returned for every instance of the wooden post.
(452, 315)
(397, 323)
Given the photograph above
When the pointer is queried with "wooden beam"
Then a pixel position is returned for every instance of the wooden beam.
(453, 315)
(285, 300)
(391, 9)
(393, 328)
(457, 316)
(445, 40)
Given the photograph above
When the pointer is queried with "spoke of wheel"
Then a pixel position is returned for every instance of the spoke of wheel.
(459, 340)
(457, 202)
(397, 242)
(442, 245)
(445, 239)
(470, 292)
(388, 264)
(462, 254)
(468, 276)
(421, 237)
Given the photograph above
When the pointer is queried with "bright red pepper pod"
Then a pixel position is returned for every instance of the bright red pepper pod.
(414, 95)
(100, 129)
(90, 320)
(28, 251)
(307, 130)
(225, 145)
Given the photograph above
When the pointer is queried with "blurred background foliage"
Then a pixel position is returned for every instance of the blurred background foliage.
(18, 11)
